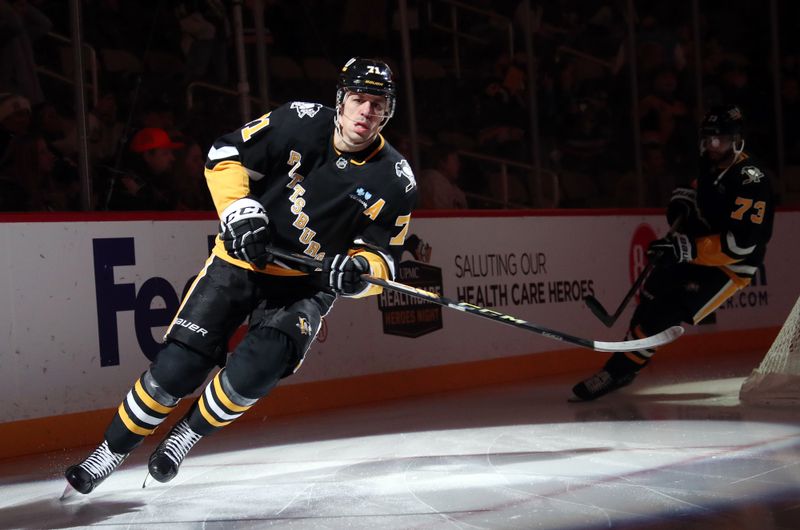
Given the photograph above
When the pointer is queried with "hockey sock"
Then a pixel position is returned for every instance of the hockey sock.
(218, 406)
(145, 407)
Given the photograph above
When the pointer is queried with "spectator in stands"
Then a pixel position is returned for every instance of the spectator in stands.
(205, 30)
(503, 110)
(660, 176)
(662, 110)
(188, 180)
(105, 129)
(58, 129)
(15, 120)
(438, 187)
(144, 184)
(790, 94)
(32, 180)
(159, 113)
(20, 25)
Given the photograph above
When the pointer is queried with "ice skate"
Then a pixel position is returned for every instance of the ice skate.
(87, 475)
(166, 459)
(599, 385)
(619, 371)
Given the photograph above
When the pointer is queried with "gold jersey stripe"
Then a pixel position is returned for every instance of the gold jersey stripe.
(227, 182)
(369, 156)
(201, 274)
(378, 268)
(709, 252)
(726, 292)
(129, 423)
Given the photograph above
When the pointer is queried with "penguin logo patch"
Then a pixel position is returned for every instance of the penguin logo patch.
(403, 170)
(305, 109)
(753, 174)
(303, 326)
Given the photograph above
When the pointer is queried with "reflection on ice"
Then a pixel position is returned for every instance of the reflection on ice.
(671, 449)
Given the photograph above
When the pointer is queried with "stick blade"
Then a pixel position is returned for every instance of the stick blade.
(659, 339)
(599, 311)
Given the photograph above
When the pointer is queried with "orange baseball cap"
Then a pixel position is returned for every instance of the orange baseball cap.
(153, 138)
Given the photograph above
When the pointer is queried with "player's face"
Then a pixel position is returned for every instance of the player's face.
(718, 147)
(362, 115)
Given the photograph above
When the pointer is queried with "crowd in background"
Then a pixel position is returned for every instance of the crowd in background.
(147, 145)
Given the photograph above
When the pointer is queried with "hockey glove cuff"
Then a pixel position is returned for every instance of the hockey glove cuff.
(342, 274)
(245, 231)
(676, 249)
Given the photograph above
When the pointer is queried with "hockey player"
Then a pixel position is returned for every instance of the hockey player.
(306, 178)
(725, 223)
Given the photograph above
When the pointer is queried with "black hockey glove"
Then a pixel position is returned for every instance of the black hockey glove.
(682, 205)
(678, 248)
(245, 231)
(342, 274)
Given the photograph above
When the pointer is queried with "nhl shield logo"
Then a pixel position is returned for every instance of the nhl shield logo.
(341, 163)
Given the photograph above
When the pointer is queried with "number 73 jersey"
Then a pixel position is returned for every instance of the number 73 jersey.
(320, 201)
(736, 208)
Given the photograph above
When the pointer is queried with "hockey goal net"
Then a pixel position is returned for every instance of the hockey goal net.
(777, 378)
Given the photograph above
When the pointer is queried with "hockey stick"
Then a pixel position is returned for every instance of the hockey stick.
(597, 308)
(666, 336)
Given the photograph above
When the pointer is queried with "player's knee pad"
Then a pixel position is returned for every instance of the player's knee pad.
(259, 361)
(179, 370)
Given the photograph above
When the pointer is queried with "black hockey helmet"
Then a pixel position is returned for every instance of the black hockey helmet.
(368, 76)
(722, 120)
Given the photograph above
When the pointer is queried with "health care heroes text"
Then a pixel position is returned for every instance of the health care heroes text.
(514, 280)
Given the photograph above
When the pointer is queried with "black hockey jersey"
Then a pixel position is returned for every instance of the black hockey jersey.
(319, 201)
(736, 211)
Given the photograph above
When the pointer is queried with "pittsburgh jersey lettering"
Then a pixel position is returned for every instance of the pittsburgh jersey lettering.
(314, 206)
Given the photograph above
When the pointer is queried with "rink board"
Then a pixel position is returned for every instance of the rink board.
(85, 300)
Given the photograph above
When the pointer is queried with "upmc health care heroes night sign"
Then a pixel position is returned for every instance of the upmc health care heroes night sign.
(408, 316)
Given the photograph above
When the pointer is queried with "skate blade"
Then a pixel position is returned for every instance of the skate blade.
(147, 480)
(575, 399)
(69, 493)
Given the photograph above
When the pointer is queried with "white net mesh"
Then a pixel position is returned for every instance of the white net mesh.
(777, 378)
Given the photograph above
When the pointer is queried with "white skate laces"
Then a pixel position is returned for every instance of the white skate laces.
(179, 441)
(102, 461)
